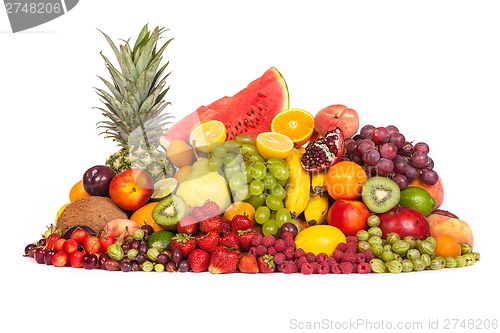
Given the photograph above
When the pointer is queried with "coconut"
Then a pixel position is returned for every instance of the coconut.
(94, 212)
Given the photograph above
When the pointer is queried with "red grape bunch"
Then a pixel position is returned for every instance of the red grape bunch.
(384, 151)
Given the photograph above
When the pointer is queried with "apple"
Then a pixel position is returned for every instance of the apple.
(119, 228)
(444, 222)
(404, 221)
(334, 116)
(348, 215)
(131, 189)
(97, 179)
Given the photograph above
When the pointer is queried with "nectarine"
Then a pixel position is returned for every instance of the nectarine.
(442, 224)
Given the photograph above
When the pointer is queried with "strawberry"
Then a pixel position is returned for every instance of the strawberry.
(198, 260)
(226, 227)
(248, 264)
(223, 261)
(187, 225)
(231, 241)
(245, 238)
(211, 224)
(266, 263)
(240, 222)
(184, 242)
(211, 209)
(209, 241)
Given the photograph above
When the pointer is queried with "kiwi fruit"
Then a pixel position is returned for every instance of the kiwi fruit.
(380, 194)
(169, 211)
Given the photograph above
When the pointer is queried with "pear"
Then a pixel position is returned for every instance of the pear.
(202, 184)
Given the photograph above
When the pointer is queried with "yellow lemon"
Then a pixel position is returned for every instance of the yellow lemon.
(320, 239)
(206, 134)
(272, 144)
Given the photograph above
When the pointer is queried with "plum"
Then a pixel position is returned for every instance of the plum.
(96, 180)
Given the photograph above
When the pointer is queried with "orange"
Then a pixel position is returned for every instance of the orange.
(240, 208)
(447, 245)
(180, 153)
(297, 124)
(144, 215)
(272, 144)
(344, 180)
(182, 173)
(206, 134)
(78, 192)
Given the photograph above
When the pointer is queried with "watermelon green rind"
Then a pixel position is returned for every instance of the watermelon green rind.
(249, 111)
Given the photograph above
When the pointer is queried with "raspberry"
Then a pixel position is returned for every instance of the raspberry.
(300, 261)
(322, 257)
(337, 255)
(226, 227)
(352, 248)
(279, 245)
(257, 240)
(354, 268)
(211, 208)
(345, 267)
(198, 214)
(368, 255)
(271, 250)
(332, 261)
(268, 240)
(311, 257)
(253, 251)
(315, 266)
(361, 257)
(323, 267)
(289, 242)
(288, 267)
(306, 268)
(279, 258)
(299, 253)
(335, 269)
(364, 268)
(287, 235)
(289, 253)
(349, 257)
(341, 247)
(260, 250)
(352, 240)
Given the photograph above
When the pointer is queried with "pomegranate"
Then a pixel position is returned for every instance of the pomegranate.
(324, 152)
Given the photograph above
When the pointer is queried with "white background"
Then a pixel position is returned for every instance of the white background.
(431, 68)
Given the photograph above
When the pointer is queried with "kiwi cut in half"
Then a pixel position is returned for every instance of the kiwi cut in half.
(169, 211)
(380, 194)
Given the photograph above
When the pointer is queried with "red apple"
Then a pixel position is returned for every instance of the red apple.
(404, 221)
(131, 189)
(334, 116)
(348, 215)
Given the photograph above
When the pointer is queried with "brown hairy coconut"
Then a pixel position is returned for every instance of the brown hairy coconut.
(94, 212)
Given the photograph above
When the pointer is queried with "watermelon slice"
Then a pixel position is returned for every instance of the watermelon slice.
(250, 111)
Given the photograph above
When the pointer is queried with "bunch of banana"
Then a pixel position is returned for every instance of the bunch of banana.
(316, 211)
(298, 185)
(318, 184)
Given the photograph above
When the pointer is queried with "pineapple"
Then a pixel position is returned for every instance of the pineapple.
(134, 105)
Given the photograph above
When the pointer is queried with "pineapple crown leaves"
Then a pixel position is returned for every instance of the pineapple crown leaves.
(135, 102)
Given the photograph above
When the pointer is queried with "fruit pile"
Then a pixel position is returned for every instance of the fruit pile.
(248, 184)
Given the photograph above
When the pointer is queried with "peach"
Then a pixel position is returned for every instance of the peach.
(444, 224)
(334, 116)
(436, 191)
(119, 228)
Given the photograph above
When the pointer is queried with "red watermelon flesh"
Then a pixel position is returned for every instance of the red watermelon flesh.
(250, 111)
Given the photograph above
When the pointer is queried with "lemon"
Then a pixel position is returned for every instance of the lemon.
(320, 239)
(163, 187)
(417, 198)
(272, 144)
(204, 135)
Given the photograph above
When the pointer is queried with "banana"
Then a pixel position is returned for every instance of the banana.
(317, 209)
(318, 181)
(298, 184)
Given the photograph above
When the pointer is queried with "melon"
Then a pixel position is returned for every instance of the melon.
(250, 111)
